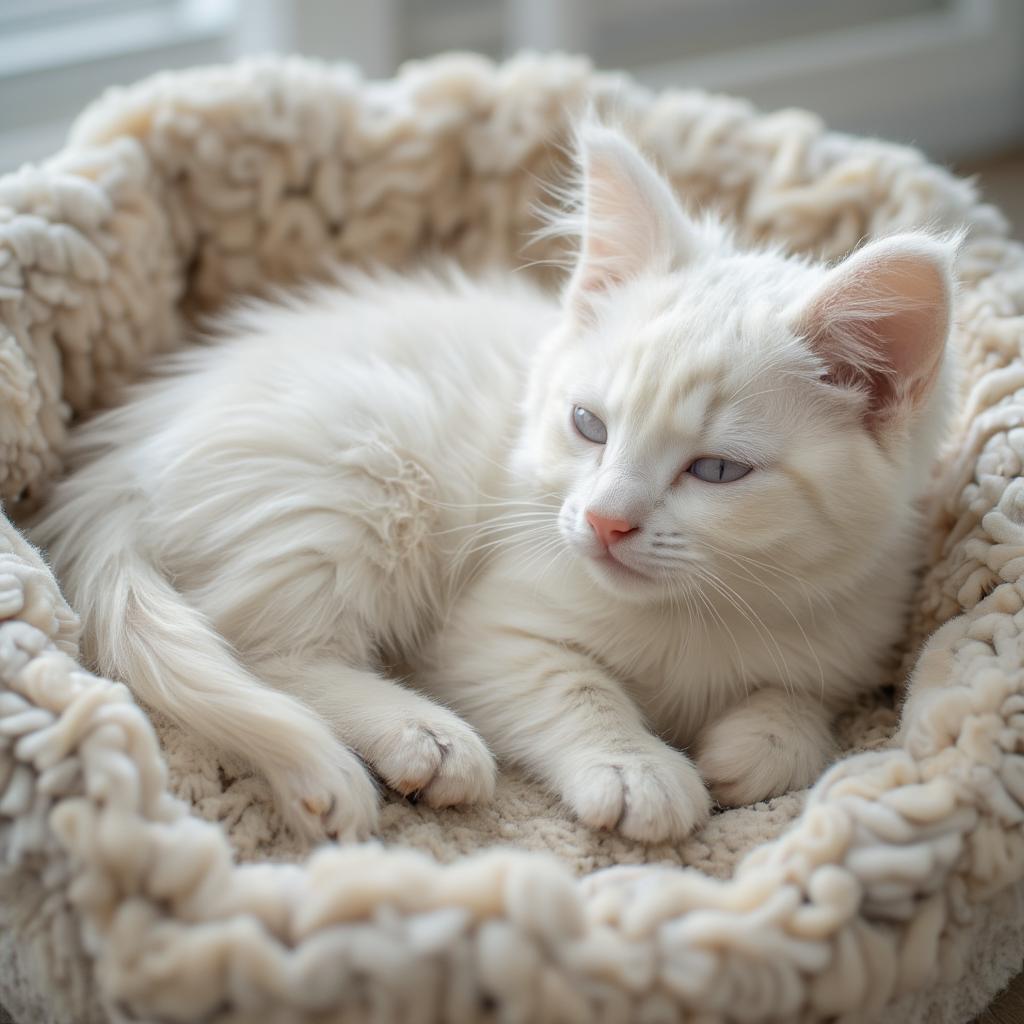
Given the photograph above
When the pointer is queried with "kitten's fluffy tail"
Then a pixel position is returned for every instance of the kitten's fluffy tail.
(139, 628)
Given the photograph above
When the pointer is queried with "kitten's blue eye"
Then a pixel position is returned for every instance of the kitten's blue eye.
(718, 471)
(588, 425)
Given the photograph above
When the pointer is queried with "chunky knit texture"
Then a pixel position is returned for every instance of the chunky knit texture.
(894, 889)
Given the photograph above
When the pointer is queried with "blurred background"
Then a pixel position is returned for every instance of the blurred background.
(945, 75)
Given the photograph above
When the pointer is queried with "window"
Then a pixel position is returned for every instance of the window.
(56, 55)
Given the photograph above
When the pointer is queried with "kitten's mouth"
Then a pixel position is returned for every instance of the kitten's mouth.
(615, 565)
(608, 562)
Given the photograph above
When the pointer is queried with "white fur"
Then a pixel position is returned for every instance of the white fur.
(385, 472)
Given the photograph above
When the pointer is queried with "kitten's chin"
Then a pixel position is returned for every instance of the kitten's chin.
(620, 579)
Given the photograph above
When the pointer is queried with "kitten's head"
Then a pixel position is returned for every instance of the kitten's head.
(709, 415)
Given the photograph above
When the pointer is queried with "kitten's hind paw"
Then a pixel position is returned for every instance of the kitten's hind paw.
(442, 762)
(334, 800)
(653, 796)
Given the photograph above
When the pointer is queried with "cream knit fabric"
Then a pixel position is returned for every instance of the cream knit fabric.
(893, 890)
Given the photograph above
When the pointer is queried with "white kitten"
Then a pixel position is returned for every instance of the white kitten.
(698, 524)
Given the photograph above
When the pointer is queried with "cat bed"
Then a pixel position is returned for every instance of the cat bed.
(142, 879)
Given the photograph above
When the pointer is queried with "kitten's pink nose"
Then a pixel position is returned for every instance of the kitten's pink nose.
(609, 530)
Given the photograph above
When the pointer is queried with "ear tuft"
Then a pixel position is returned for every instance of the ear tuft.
(881, 320)
(632, 221)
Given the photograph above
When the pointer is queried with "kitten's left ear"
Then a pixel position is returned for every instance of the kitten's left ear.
(881, 320)
(632, 221)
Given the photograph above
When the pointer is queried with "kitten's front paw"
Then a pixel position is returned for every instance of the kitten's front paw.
(746, 757)
(441, 761)
(652, 795)
(332, 798)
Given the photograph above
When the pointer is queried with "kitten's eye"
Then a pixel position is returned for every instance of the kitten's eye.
(588, 425)
(718, 471)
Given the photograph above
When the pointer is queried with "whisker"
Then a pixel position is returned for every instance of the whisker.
(796, 621)
(741, 605)
(709, 606)
(459, 578)
(777, 571)
(510, 521)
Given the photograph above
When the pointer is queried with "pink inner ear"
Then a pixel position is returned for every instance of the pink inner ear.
(917, 334)
(601, 267)
(622, 228)
(632, 221)
(881, 322)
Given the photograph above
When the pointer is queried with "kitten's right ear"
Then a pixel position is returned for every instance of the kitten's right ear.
(881, 319)
(632, 221)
